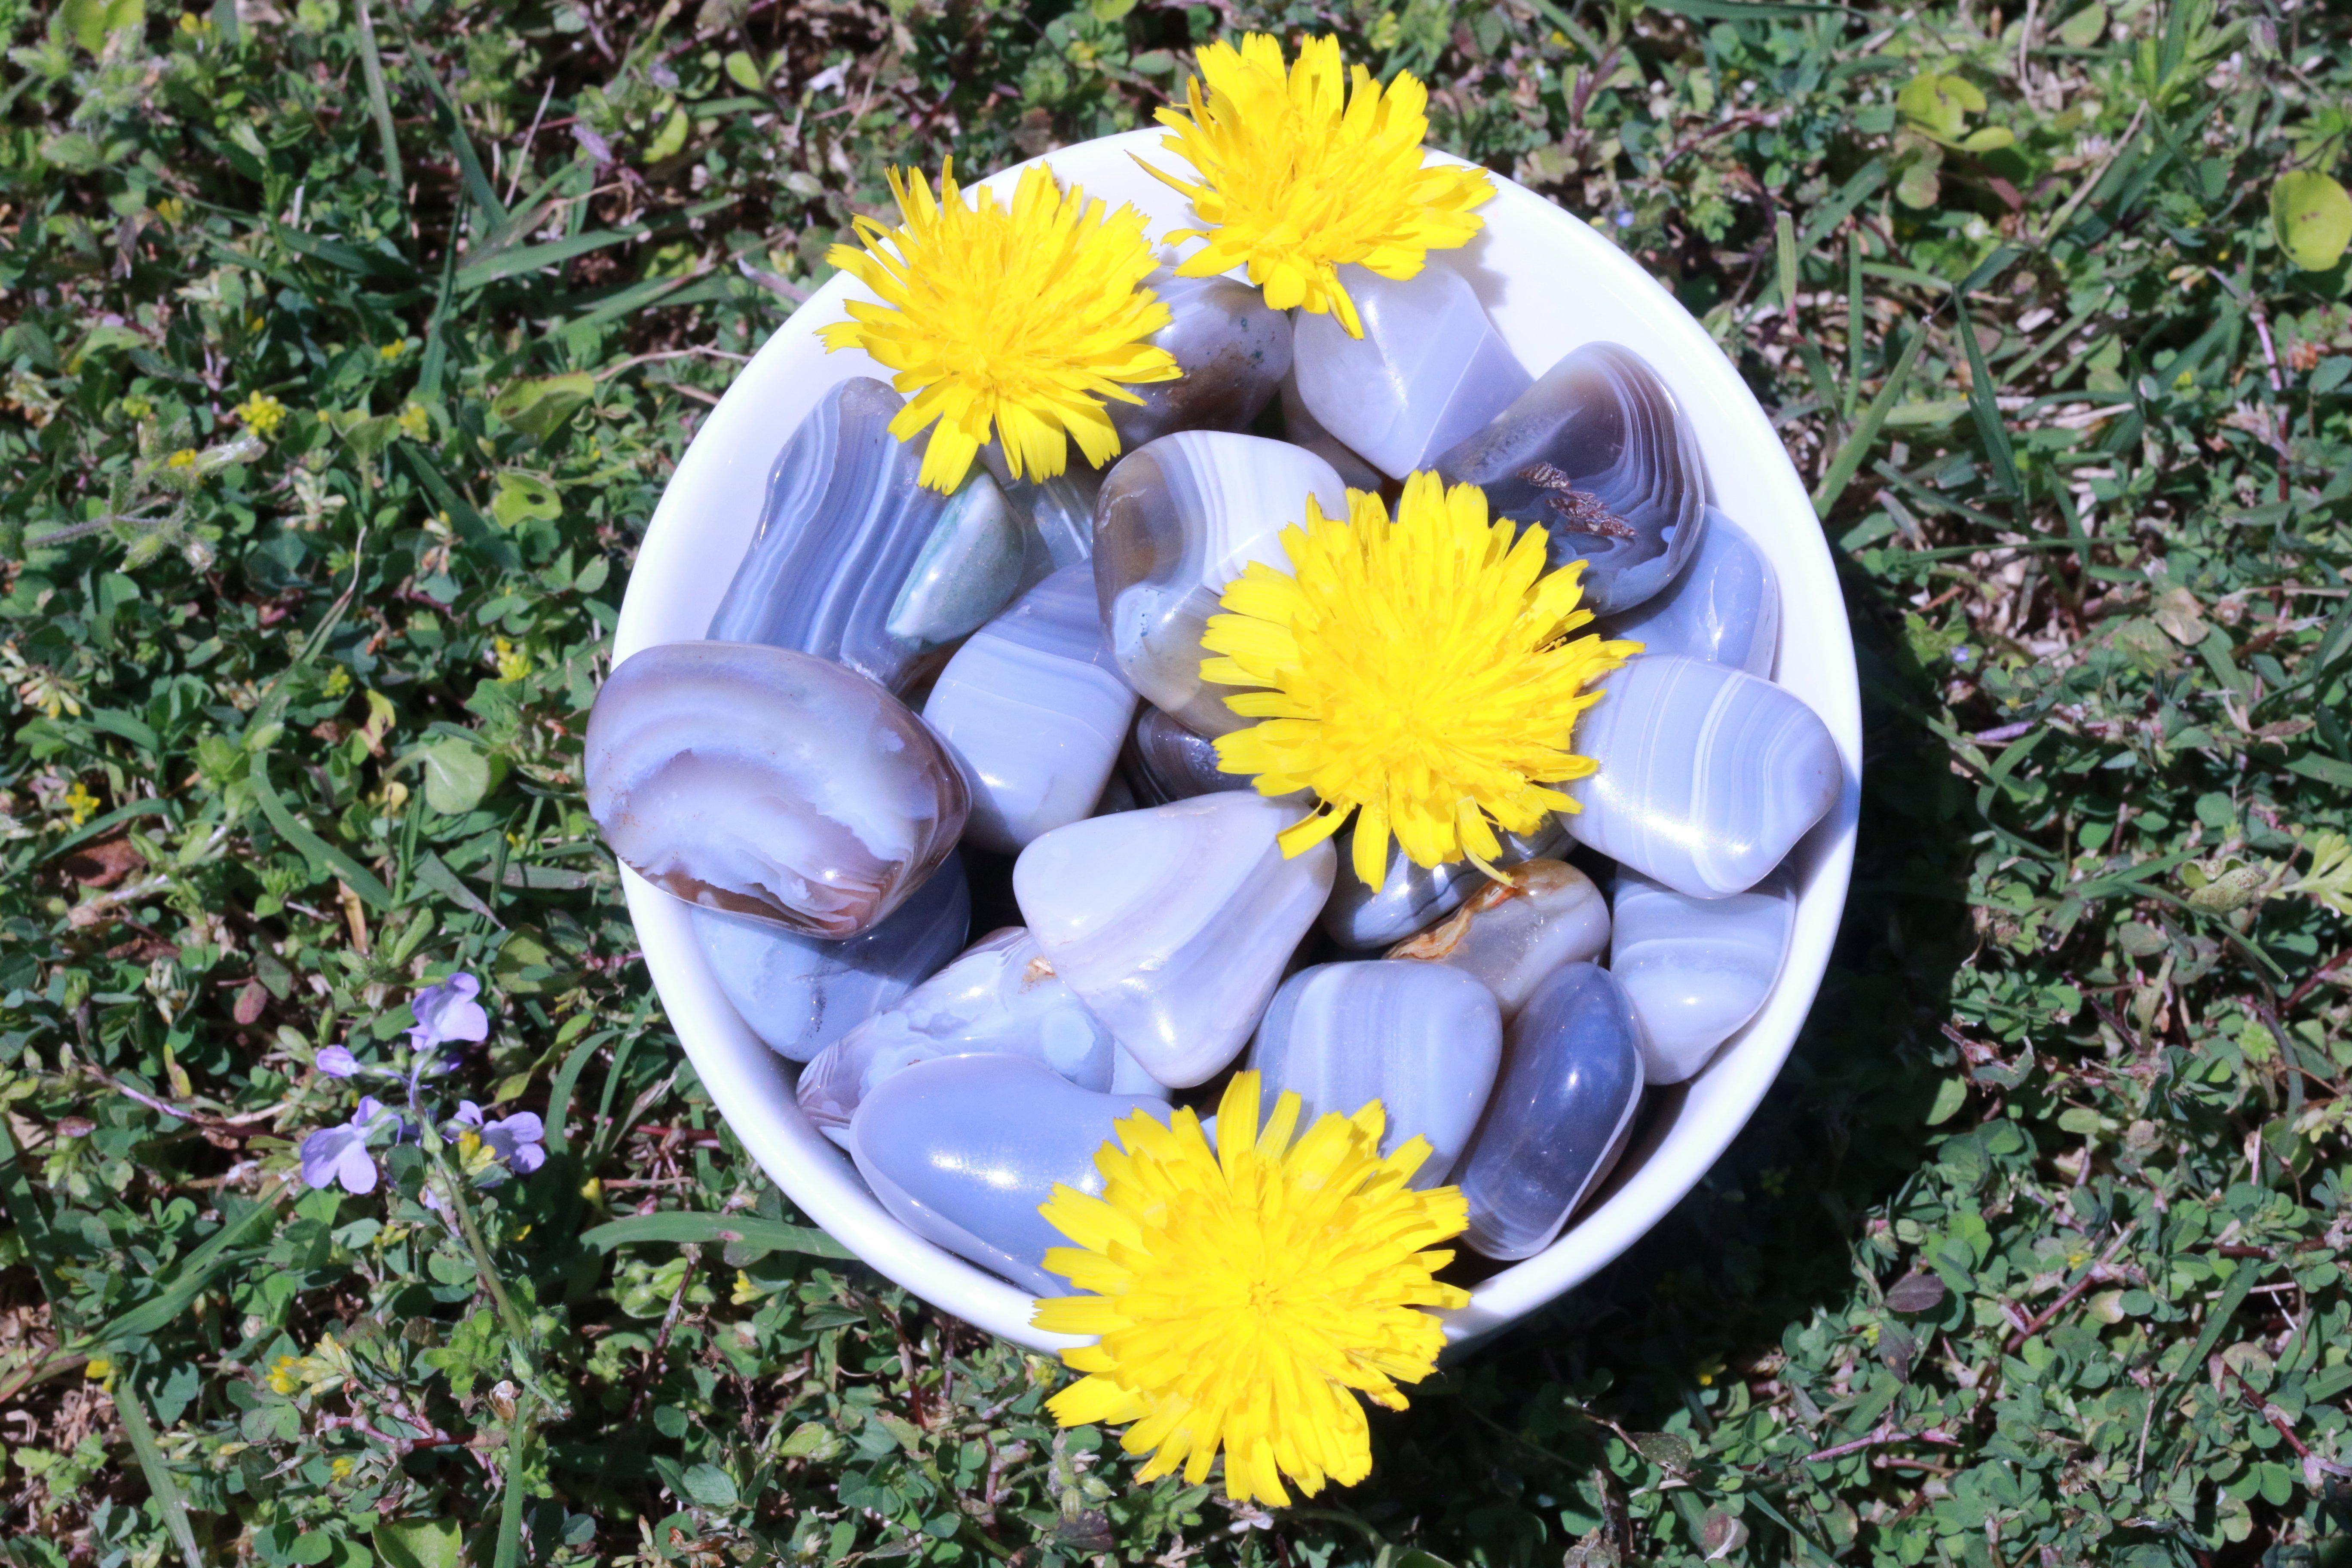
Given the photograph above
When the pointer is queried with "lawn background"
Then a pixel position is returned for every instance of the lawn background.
(2035, 1255)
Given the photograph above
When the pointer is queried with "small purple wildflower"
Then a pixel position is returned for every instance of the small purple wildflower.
(336, 1061)
(447, 1014)
(335, 1155)
(515, 1139)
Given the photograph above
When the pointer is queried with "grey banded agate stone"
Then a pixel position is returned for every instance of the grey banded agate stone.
(1560, 1111)
(962, 1151)
(799, 994)
(1301, 429)
(1176, 521)
(1035, 712)
(1000, 997)
(1165, 762)
(1412, 897)
(1725, 607)
(768, 783)
(841, 536)
(1599, 455)
(1233, 351)
(1421, 1039)
(1512, 934)
(1174, 924)
(1057, 514)
(1697, 969)
(1708, 777)
(1430, 370)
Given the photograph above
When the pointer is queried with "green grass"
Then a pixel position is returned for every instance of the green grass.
(2036, 1254)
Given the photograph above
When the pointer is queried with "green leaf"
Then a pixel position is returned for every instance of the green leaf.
(1950, 1095)
(744, 71)
(1937, 105)
(684, 1229)
(458, 774)
(162, 1486)
(708, 1486)
(92, 22)
(671, 138)
(2312, 216)
(540, 408)
(420, 1544)
(2081, 29)
(325, 860)
(523, 496)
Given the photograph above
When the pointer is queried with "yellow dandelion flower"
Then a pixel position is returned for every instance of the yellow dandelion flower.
(1242, 1296)
(185, 457)
(1420, 672)
(1304, 170)
(262, 414)
(1012, 322)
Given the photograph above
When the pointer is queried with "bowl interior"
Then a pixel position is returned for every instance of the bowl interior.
(1550, 283)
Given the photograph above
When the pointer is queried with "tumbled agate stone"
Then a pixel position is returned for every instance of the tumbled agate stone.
(1301, 429)
(1176, 521)
(1413, 897)
(1512, 934)
(1430, 370)
(1724, 607)
(1174, 924)
(1558, 1118)
(1165, 762)
(1035, 711)
(1057, 514)
(1599, 455)
(962, 1151)
(1697, 969)
(1000, 996)
(846, 547)
(1421, 1039)
(799, 994)
(768, 783)
(1706, 778)
(1234, 350)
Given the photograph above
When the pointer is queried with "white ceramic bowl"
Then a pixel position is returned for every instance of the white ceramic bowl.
(1550, 283)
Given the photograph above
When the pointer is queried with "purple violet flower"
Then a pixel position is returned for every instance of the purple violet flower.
(447, 1014)
(515, 1139)
(336, 1061)
(333, 1155)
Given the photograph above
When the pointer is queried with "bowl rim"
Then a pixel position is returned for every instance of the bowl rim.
(1514, 263)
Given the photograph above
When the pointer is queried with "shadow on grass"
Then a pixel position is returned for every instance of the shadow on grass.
(1489, 1464)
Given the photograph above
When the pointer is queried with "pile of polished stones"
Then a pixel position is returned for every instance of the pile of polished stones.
(912, 706)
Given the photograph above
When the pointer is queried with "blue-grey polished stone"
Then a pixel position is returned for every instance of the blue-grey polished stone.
(841, 535)
(1414, 898)
(1430, 370)
(1513, 933)
(1571, 1077)
(1697, 969)
(1036, 711)
(799, 993)
(1233, 351)
(1178, 520)
(962, 1149)
(1421, 1039)
(1597, 453)
(1707, 777)
(1724, 607)
(768, 783)
(1166, 761)
(1000, 996)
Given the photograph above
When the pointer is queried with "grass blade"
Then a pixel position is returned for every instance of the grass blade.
(1831, 213)
(1784, 256)
(1987, 410)
(379, 101)
(322, 856)
(161, 1482)
(532, 258)
(195, 1271)
(683, 1227)
(1857, 446)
